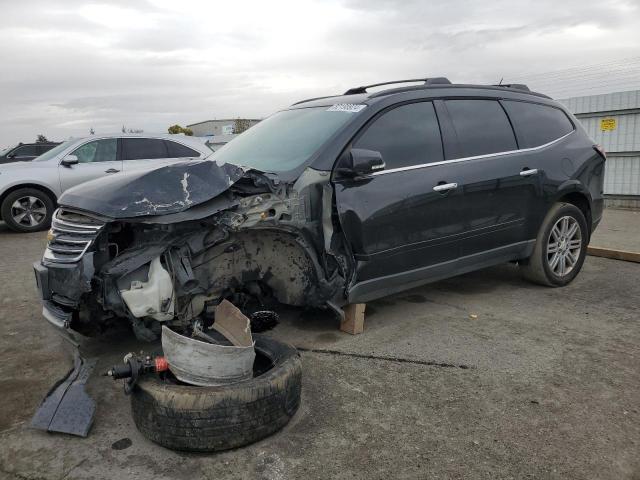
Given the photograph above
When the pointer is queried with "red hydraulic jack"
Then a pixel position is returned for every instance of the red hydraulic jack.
(134, 367)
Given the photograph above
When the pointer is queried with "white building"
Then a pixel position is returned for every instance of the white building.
(212, 128)
(613, 121)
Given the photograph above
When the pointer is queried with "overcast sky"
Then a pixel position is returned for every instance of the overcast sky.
(71, 65)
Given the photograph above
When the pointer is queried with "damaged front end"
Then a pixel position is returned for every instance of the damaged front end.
(170, 257)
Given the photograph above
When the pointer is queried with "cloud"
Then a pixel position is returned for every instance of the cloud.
(69, 66)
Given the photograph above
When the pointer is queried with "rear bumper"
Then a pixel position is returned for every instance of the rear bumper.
(597, 208)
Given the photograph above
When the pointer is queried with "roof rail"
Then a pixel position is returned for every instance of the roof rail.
(517, 86)
(311, 99)
(427, 81)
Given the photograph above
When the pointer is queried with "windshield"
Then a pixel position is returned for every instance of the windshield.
(283, 141)
(53, 152)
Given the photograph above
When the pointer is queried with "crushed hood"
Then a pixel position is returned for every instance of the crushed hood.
(164, 190)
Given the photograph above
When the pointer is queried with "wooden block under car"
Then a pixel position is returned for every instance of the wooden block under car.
(353, 322)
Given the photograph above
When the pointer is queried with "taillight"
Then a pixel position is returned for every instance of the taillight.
(600, 150)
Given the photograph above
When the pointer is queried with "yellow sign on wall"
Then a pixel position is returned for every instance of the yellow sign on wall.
(608, 124)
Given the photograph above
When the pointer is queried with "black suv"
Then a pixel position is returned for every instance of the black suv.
(25, 152)
(335, 200)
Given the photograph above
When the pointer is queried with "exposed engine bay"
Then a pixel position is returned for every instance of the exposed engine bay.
(171, 261)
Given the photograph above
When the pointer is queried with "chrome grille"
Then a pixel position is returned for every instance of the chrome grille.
(70, 236)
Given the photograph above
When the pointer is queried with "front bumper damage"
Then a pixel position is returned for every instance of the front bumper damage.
(67, 408)
(173, 269)
(61, 282)
(164, 248)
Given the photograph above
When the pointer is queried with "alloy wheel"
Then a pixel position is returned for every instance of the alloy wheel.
(28, 211)
(564, 246)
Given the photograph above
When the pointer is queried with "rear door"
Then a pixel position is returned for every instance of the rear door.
(96, 158)
(538, 129)
(488, 166)
(154, 152)
(402, 221)
(143, 153)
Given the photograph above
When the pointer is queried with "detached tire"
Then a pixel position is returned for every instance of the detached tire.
(207, 419)
(560, 249)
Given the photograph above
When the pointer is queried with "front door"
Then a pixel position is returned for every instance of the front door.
(96, 158)
(405, 223)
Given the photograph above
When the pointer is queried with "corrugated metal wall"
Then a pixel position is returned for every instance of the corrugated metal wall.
(603, 103)
(625, 138)
(622, 175)
(622, 144)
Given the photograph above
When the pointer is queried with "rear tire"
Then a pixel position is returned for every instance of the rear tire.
(207, 419)
(27, 210)
(560, 249)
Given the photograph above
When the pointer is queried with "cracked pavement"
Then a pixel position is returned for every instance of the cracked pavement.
(479, 376)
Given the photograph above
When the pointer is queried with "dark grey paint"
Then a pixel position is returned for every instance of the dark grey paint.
(165, 190)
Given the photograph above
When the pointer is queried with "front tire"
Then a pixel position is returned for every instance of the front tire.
(560, 249)
(27, 210)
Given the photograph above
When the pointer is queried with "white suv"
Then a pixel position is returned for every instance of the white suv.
(29, 191)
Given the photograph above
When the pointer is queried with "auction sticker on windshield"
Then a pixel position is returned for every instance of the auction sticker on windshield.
(345, 107)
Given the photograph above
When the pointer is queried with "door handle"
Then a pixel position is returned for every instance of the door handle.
(112, 170)
(445, 187)
(528, 172)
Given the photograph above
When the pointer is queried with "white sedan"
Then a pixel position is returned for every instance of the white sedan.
(29, 191)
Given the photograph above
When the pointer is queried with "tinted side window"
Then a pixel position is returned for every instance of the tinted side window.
(97, 151)
(26, 151)
(142, 148)
(177, 150)
(482, 127)
(44, 148)
(406, 135)
(536, 124)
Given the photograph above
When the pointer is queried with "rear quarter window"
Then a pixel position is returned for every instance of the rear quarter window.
(537, 124)
(177, 150)
(482, 127)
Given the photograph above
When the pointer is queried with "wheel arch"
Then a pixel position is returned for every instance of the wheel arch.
(286, 262)
(36, 186)
(577, 195)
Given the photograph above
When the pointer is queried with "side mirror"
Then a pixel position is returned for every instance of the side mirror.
(11, 155)
(359, 162)
(69, 160)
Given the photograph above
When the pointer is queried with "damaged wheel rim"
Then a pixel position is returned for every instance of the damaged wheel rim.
(204, 361)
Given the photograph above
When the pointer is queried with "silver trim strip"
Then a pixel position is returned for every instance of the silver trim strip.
(79, 238)
(52, 319)
(49, 254)
(59, 239)
(66, 230)
(477, 157)
(84, 226)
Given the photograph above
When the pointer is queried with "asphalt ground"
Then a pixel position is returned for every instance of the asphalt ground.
(479, 376)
